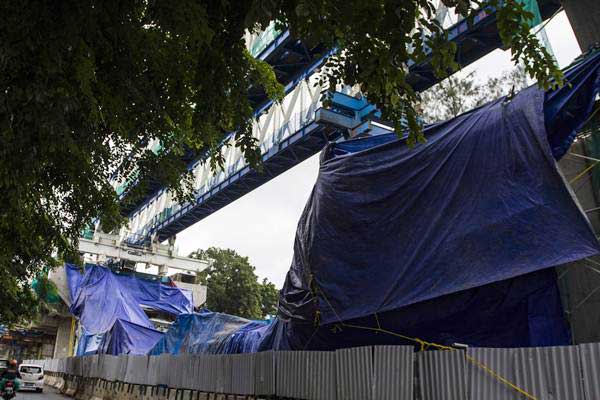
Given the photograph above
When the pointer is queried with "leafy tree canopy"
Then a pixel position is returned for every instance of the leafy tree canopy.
(233, 287)
(88, 88)
(457, 95)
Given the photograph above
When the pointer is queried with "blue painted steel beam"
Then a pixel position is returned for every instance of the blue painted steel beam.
(473, 42)
(304, 143)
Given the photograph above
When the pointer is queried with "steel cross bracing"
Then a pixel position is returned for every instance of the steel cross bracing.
(292, 131)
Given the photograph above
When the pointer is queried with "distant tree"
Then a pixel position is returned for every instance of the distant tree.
(233, 287)
(456, 95)
(269, 296)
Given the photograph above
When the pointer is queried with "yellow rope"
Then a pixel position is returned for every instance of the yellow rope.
(582, 173)
(424, 344)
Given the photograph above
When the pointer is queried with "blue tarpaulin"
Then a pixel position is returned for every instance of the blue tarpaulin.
(128, 338)
(211, 332)
(100, 297)
(426, 238)
(453, 241)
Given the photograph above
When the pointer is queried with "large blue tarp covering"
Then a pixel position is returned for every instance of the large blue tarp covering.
(211, 332)
(481, 202)
(425, 238)
(101, 297)
(128, 338)
(452, 242)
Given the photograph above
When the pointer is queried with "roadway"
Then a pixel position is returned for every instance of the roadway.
(49, 394)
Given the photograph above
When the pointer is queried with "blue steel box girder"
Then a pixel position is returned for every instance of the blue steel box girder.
(293, 61)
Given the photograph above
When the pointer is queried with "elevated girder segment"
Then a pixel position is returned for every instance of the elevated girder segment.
(284, 146)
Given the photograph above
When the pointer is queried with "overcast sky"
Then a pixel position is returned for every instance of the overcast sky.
(262, 224)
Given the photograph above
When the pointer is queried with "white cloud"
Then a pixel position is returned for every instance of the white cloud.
(262, 224)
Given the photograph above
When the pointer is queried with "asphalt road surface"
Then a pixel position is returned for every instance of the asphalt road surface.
(49, 394)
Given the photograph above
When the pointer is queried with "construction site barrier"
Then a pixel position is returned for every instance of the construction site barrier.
(374, 372)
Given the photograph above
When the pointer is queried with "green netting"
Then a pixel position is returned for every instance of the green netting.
(46, 290)
(533, 7)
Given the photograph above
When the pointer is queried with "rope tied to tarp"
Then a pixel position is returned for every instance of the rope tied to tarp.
(424, 345)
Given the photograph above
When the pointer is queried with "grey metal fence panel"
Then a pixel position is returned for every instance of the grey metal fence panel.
(210, 368)
(549, 372)
(590, 367)
(109, 367)
(116, 368)
(393, 369)
(187, 371)
(562, 369)
(321, 375)
(174, 373)
(94, 366)
(153, 368)
(354, 373)
(291, 374)
(70, 366)
(62, 366)
(483, 385)
(442, 375)
(122, 368)
(242, 374)
(102, 366)
(180, 367)
(164, 363)
(529, 373)
(199, 371)
(196, 371)
(82, 364)
(85, 365)
(224, 383)
(215, 369)
(137, 370)
(264, 373)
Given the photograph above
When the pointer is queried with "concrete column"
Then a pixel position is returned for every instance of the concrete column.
(63, 333)
(584, 16)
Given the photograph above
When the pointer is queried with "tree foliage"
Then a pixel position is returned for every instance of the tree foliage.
(457, 95)
(88, 87)
(233, 287)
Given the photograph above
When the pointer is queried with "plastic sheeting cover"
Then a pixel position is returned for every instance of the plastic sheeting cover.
(211, 332)
(128, 338)
(481, 202)
(100, 297)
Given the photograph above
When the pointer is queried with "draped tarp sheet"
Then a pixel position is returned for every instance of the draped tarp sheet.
(482, 203)
(129, 338)
(452, 241)
(211, 332)
(100, 297)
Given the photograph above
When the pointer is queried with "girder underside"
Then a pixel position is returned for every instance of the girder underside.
(290, 58)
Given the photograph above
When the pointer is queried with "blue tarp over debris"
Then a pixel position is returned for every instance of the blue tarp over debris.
(100, 298)
(435, 240)
(211, 332)
(128, 338)
(452, 241)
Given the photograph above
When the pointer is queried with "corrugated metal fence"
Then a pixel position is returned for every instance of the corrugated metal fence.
(380, 372)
